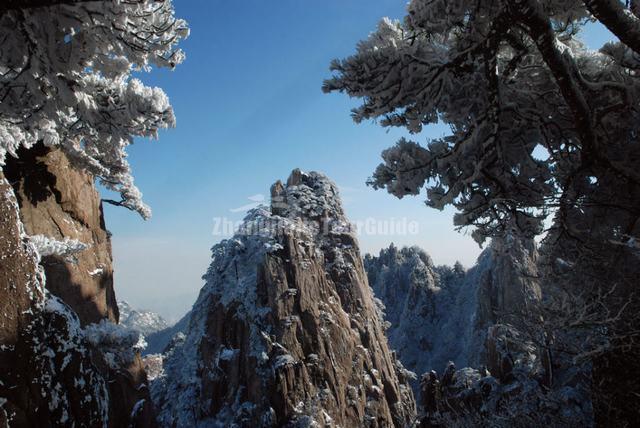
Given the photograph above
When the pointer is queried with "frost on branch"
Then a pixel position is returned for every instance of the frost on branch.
(510, 79)
(65, 80)
(405, 170)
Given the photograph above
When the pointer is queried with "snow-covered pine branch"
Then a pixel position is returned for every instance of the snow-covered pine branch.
(536, 118)
(66, 80)
(541, 126)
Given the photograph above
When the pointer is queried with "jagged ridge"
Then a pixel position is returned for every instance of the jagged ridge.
(285, 331)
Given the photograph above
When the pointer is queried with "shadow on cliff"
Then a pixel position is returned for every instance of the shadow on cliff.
(59, 282)
(29, 171)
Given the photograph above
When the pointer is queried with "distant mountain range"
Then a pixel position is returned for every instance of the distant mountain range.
(142, 321)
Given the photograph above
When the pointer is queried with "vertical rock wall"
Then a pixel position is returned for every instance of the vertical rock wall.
(46, 375)
(60, 202)
(52, 372)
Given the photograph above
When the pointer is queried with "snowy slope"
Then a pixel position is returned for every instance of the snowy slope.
(145, 322)
(431, 310)
(439, 314)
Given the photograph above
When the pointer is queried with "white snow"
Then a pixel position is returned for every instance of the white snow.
(47, 246)
(430, 312)
(96, 271)
(283, 361)
(117, 343)
(228, 354)
(143, 321)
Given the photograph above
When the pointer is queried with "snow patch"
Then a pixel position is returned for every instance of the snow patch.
(47, 246)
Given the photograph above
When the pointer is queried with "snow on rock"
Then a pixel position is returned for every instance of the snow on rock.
(430, 310)
(153, 365)
(440, 318)
(285, 331)
(90, 376)
(63, 370)
(48, 246)
(145, 322)
(439, 314)
(117, 342)
(50, 373)
(66, 224)
(97, 271)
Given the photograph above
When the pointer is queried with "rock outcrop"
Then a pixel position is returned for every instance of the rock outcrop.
(429, 310)
(46, 378)
(507, 281)
(479, 329)
(58, 202)
(438, 314)
(20, 289)
(56, 369)
(286, 332)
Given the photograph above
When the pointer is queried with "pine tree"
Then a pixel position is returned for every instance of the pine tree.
(66, 81)
(542, 128)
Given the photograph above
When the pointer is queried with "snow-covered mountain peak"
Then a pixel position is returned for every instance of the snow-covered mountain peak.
(308, 196)
(307, 207)
(142, 321)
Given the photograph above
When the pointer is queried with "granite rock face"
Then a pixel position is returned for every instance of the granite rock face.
(64, 362)
(508, 281)
(20, 278)
(473, 336)
(286, 331)
(428, 309)
(46, 378)
(60, 202)
(438, 314)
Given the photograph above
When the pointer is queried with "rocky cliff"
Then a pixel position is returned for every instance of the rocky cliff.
(45, 378)
(286, 332)
(429, 310)
(64, 361)
(479, 330)
(507, 281)
(58, 202)
(438, 314)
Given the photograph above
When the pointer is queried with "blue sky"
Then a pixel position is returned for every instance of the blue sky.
(250, 109)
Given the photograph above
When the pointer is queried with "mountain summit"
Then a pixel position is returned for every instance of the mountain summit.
(286, 332)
